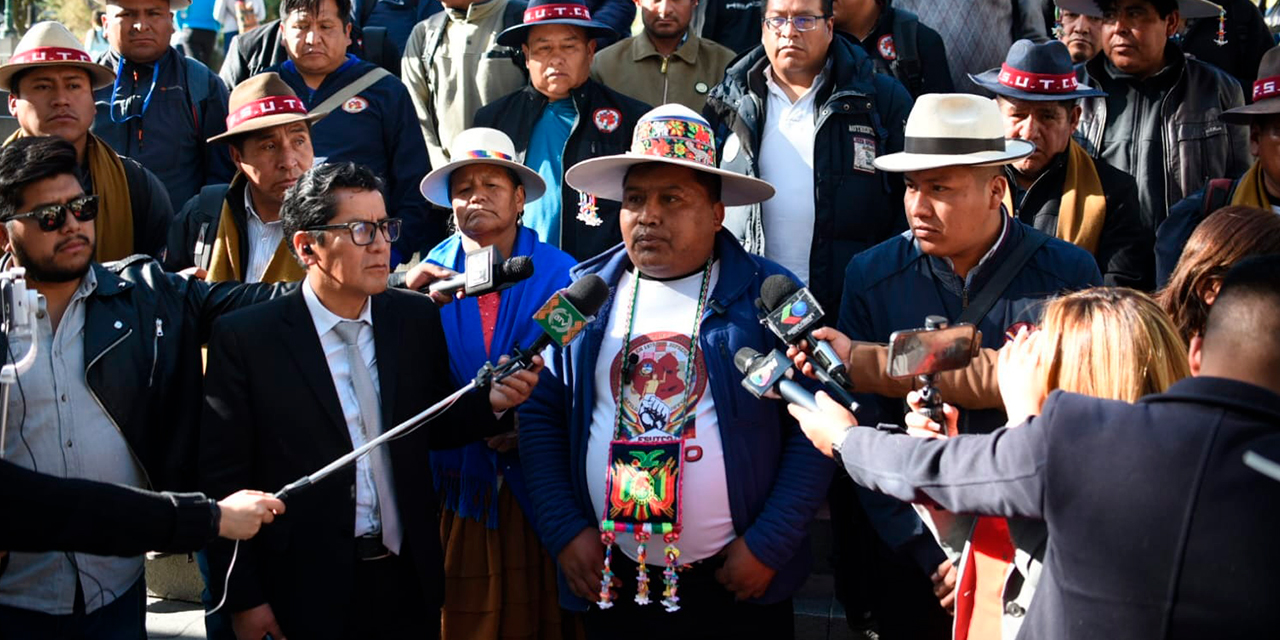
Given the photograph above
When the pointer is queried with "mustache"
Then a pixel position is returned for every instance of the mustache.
(78, 237)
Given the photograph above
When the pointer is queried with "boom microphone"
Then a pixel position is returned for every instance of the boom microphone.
(762, 373)
(483, 273)
(792, 313)
(563, 316)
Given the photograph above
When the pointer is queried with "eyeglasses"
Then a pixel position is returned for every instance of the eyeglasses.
(362, 231)
(801, 23)
(51, 217)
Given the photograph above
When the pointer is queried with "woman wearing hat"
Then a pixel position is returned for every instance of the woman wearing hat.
(499, 581)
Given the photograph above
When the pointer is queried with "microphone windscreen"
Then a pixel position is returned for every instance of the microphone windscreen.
(516, 269)
(587, 294)
(744, 357)
(775, 289)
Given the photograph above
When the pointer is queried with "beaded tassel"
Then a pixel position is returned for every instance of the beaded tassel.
(642, 571)
(606, 575)
(1222, 27)
(670, 599)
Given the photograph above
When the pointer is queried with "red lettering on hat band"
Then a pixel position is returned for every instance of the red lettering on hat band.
(50, 54)
(1038, 82)
(556, 11)
(270, 105)
(1266, 88)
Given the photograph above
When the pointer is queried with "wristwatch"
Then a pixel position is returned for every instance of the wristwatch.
(837, 444)
(215, 517)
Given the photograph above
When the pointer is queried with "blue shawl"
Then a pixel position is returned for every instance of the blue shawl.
(466, 478)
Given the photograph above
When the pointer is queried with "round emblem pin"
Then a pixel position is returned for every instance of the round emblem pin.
(885, 46)
(731, 148)
(701, 87)
(607, 120)
(355, 105)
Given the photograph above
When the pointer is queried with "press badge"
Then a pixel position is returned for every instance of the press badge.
(864, 154)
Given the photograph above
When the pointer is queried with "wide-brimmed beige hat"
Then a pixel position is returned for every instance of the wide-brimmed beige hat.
(261, 102)
(671, 134)
(480, 145)
(954, 129)
(174, 5)
(49, 44)
(1189, 9)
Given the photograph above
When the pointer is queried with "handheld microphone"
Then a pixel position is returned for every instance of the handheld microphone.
(484, 273)
(762, 373)
(792, 312)
(563, 316)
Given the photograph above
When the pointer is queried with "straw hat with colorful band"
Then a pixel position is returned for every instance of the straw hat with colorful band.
(671, 134)
(261, 102)
(1037, 72)
(480, 145)
(954, 129)
(539, 12)
(49, 44)
(1186, 8)
(1266, 92)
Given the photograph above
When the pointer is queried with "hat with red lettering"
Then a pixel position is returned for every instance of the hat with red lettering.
(49, 44)
(1038, 72)
(538, 12)
(261, 102)
(1266, 92)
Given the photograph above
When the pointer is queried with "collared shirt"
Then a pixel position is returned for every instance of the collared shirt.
(335, 352)
(58, 427)
(786, 162)
(546, 156)
(264, 239)
(944, 268)
(634, 67)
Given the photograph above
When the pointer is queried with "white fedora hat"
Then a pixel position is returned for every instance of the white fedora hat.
(671, 134)
(480, 145)
(954, 129)
(49, 44)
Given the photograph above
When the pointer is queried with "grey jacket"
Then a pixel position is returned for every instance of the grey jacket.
(1195, 144)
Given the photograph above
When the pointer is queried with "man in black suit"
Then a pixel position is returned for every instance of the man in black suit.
(298, 382)
(1157, 528)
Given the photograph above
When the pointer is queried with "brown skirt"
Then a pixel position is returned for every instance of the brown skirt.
(499, 583)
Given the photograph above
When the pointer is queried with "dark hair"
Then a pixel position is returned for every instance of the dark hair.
(28, 160)
(310, 202)
(828, 7)
(511, 174)
(1245, 318)
(1067, 105)
(1228, 236)
(313, 7)
(1162, 7)
(239, 139)
(711, 183)
(15, 81)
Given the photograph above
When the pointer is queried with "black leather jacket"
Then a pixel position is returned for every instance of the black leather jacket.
(517, 113)
(1195, 145)
(142, 336)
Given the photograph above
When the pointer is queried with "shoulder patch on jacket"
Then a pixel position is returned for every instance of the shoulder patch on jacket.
(117, 266)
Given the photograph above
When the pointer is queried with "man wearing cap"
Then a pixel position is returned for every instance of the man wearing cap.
(898, 43)
(806, 113)
(50, 80)
(1059, 189)
(453, 65)
(233, 231)
(1159, 119)
(371, 119)
(563, 117)
(964, 259)
(486, 513)
(163, 105)
(1260, 185)
(734, 486)
(665, 63)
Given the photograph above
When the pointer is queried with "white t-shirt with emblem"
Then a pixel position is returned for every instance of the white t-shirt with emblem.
(664, 315)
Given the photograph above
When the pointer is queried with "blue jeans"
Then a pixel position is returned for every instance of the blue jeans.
(124, 619)
(218, 625)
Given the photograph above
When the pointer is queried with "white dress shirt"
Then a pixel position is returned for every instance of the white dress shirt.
(264, 239)
(335, 352)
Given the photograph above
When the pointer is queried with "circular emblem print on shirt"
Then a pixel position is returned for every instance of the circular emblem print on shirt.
(885, 46)
(355, 105)
(607, 120)
(731, 148)
(657, 392)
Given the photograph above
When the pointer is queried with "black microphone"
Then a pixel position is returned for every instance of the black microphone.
(484, 273)
(792, 313)
(563, 316)
(762, 373)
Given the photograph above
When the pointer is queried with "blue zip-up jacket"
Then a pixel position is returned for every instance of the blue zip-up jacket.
(378, 129)
(894, 285)
(776, 479)
(187, 106)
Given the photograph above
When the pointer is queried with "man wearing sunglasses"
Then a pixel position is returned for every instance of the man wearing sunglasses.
(298, 382)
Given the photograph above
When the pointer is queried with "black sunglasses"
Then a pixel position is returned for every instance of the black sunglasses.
(51, 217)
(362, 231)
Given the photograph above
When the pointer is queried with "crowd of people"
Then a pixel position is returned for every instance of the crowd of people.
(248, 275)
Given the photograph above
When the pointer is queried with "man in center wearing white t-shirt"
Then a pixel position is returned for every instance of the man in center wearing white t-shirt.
(658, 438)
